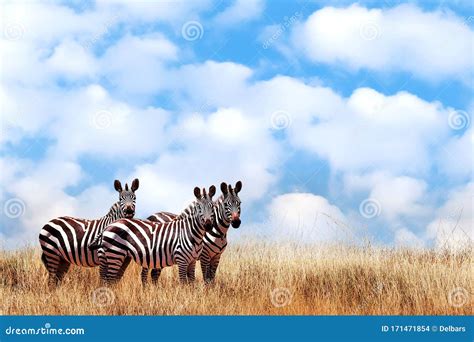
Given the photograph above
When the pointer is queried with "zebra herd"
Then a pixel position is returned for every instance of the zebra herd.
(164, 239)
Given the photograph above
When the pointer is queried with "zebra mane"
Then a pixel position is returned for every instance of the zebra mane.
(115, 211)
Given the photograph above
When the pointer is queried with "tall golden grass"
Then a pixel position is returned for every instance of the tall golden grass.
(256, 279)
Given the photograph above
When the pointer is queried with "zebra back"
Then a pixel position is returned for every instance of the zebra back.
(159, 244)
(68, 238)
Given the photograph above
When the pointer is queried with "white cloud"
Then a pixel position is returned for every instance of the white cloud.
(406, 238)
(227, 145)
(211, 84)
(452, 229)
(402, 38)
(373, 131)
(456, 156)
(38, 190)
(152, 11)
(400, 196)
(222, 130)
(137, 65)
(239, 11)
(306, 218)
(70, 60)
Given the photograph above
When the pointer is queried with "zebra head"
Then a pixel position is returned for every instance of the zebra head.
(205, 207)
(230, 205)
(127, 197)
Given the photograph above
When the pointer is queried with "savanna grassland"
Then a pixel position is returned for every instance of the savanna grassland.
(256, 279)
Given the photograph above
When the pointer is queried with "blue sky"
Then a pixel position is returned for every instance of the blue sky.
(345, 121)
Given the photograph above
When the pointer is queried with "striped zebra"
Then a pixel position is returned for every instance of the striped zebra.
(65, 240)
(227, 212)
(158, 245)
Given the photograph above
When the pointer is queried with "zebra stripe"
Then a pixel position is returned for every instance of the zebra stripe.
(66, 240)
(159, 245)
(227, 211)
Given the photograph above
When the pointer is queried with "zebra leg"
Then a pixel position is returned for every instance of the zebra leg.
(114, 263)
(144, 276)
(191, 271)
(205, 262)
(102, 266)
(62, 270)
(52, 263)
(155, 275)
(213, 267)
(183, 272)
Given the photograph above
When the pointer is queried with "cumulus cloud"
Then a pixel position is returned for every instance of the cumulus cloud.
(402, 38)
(85, 121)
(90, 85)
(227, 145)
(455, 158)
(137, 65)
(71, 61)
(400, 196)
(149, 11)
(306, 218)
(406, 238)
(34, 193)
(452, 228)
(240, 10)
(365, 132)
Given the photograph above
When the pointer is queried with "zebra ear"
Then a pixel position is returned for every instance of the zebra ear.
(212, 191)
(224, 188)
(135, 184)
(118, 185)
(238, 187)
(197, 192)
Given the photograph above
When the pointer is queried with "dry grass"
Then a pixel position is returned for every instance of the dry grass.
(312, 280)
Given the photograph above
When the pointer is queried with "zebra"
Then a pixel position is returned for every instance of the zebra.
(227, 212)
(158, 245)
(66, 240)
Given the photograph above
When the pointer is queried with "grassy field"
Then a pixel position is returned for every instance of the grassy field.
(256, 279)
